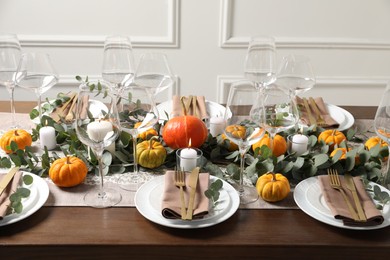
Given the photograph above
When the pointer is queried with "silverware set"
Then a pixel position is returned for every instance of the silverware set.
(315, 117)
(187, 213)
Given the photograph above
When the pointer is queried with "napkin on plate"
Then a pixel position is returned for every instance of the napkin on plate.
(339, 208)
(11, 188)
(329, 121)
(171, 204)
(191, 105)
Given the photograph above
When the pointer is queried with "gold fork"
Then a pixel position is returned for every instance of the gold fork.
(180, 182)
(335, 184)
(320, 121)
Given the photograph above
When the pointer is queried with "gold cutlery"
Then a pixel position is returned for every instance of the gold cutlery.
(351, 186)
(70, 116)
(6, 180)
(335, 184)
(180, 182)
(320, 121)
(193, 184)
(312, 120)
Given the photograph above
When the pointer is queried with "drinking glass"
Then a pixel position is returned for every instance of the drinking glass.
(137, 113)
(10, 52)
(244, 116)
(97, 126)
(259, 61)
(296, 74)
(154, 73)
(36, 73)
(118, 60)
(382, 129)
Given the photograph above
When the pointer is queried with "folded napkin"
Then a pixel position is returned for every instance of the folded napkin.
(11, 188)
(339, 208)
(191, 105)
(329, 121)
(171, 204)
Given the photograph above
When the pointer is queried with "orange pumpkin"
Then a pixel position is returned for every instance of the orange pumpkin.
(373, 141)
(232, 146)
(178, 132)
(68, 171)
(279, 144)
(273, 187)
(21, 137)
(144, 135)
(331, 137)
(343, 152)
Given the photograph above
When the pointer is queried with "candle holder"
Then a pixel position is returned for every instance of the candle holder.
(298, 144)
(188, 158)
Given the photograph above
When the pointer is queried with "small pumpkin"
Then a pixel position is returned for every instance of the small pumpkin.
(331, 137)
(69, 171)
(21, 137)
(373, 141)
(237, 131)
(279, 144)
(343, 152)
(151, 153)
(273, 187)
(232, 146)
(146, 134)
(178, 132)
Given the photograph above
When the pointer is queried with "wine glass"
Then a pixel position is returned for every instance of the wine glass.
(137, 113)
(97, 126)
(382, 129)
(243, 116)
(259, 61)
(10, 52)
(36, 72)
(296, 74)
(154, 73)
(281, 112)
(118, 60)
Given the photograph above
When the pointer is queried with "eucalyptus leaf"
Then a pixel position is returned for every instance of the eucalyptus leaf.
(320, 159)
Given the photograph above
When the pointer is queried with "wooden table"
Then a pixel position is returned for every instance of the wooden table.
(116, 233)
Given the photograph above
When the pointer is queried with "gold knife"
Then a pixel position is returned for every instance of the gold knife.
(8, 177)
(193, 184)
(320, 121)
(351, 186)
(312, 120)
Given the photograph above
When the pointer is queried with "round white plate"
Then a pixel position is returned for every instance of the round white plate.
(38, 196)
(308, 196)
(148, 203)
(214, 109)
(342, 116)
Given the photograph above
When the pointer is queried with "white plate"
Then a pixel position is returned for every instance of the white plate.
(38, 196)
(308, 196)
(148, 203)
(214, 109)
(95, 107)
(342, 116)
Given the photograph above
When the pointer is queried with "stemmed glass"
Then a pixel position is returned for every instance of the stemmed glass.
(138, 113)
(281, 111)
(243, 116)
(260, 61)
(118, 60)
(153, 72)
(382, 129)
(36, 72)
(10, 52)
(296, 74)
(97, 127)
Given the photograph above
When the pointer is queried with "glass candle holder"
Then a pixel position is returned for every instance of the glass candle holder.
(297, 144)
(188, 158)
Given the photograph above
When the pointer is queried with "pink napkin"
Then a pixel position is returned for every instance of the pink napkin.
(339, 208)
(11, 188)
(329, 121)
(171, 204)
(191, 105)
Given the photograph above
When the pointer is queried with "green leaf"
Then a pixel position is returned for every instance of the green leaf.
(23, 192)
(320, 159)
(17, 207)
(28, 179)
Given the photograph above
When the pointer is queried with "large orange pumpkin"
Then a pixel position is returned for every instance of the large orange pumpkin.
(178, 132)
(68, 171)
(21, 137)
(279, 144)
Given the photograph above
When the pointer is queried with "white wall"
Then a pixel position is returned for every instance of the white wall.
(348, 41)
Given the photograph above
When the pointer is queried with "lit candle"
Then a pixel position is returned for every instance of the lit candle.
(98, 130)
(188, 158)
(217, 126)
(299, 144)
(47, 137)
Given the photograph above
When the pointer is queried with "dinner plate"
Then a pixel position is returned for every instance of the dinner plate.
(214, 109)
(309, 198)
(38, 196)
(342, 116)
(148, 202)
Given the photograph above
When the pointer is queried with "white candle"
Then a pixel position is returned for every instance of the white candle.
(299, 144)
(217, 125)
(188, 158)
(98, 130)
(47, 137)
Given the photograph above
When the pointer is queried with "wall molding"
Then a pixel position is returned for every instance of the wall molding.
(171, 40)
(228, 40)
